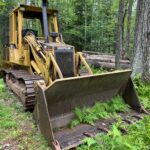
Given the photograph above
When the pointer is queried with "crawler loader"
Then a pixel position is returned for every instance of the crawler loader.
(47, 75)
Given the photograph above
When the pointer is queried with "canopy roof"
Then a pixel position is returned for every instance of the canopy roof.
(33, 11)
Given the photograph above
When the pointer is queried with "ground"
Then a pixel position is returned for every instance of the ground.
(19, 132)
(17, 128)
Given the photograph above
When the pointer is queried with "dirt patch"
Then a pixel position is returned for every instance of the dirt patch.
(9, 145)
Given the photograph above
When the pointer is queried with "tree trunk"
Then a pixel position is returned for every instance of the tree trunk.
(141, 62)
(119, 32)
(137, 61)
(85, 24)
(128, 25)
(123, 52)
(146, 42)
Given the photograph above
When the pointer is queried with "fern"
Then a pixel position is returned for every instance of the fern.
(138, 137)
(99, 111)
(143, 91)
(74, 123)
(98, 70)
(117, 105)
(79, 114)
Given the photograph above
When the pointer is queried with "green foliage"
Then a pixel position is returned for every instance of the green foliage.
(138, 137)
(143, 91)
(6, 118)
(100, 110)
(16, 125)
(98, 70)
(2, 87)
(90, 142)
(117, 105)
(87, 24)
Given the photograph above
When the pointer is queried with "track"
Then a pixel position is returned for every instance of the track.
(22, 85)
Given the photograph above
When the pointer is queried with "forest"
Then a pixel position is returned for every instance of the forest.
(106, 31)
(119, 27)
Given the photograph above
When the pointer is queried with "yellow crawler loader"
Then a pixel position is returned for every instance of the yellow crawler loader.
(47, 75)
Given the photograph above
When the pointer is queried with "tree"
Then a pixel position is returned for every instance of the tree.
(120, 32)
(141, 62)
(146, 42)
(128, 32)
(137, 61)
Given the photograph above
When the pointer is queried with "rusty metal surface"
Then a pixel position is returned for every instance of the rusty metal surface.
(42, 117)
(64, 95)
(130, 96)
(70, 138)
(21, 83)
(57, 102)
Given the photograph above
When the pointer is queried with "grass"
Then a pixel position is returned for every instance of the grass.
(138, 137)
(17, 128)
(143, 91)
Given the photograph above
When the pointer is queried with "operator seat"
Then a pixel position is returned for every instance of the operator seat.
(25, 31)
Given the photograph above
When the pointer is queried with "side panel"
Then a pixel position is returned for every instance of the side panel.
(12, 29)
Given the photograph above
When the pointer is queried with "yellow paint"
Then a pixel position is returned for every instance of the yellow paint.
(43, 62)
(20, 15)
(55, 23)
(34, 65)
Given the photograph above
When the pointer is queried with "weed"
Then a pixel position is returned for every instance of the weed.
(100, 110)
(17, 125)
(138, 137)
(98, 70)
(2, 87)
(143, 91)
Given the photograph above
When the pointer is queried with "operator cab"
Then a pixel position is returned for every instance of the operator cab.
(42, 22)
(29, 19)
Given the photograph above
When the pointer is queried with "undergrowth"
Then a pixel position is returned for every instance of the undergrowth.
(100, 110)
(17, 128)
(138, 138)
(143, 91)
(138, 134)
(98, 70)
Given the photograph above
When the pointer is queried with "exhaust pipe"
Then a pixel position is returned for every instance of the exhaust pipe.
(45, 20)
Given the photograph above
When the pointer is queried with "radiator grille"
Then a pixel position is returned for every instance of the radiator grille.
(65, 60)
